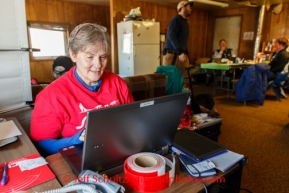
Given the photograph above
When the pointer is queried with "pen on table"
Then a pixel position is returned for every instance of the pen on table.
(4, 175)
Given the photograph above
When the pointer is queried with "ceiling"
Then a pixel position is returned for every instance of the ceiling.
(198, 6)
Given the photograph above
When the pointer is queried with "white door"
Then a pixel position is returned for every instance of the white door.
(227, 28)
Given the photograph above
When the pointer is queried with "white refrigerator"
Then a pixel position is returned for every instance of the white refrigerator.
(138, 47)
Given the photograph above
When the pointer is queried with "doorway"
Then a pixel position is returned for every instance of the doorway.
(227, 28)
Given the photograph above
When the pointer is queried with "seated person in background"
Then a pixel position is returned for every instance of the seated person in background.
(280, 58)
(61, 65)
(284, 71)
(59, 116)
(223, 52)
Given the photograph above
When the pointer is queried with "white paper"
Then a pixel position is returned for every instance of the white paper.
(8, 129)
(226, 160)
(30, 164)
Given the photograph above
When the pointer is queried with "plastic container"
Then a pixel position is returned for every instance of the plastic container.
(186, 118)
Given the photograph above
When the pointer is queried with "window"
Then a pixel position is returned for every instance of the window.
(51, 39)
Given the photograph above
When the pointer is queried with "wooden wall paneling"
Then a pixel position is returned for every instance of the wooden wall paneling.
(210, 36)
(90, 17)
(162, 14)
(52, 12)
(42, 71)
(57, 11)
(249, 23)
(197, 39)
(69, 13)
(286, 13)
(42, 11)
(279, 23)
(81, 14)
(31, 7)
(101, 19)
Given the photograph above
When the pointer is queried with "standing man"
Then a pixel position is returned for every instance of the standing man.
(175, 50)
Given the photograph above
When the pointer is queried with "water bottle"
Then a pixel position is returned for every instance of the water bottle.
(186, 118)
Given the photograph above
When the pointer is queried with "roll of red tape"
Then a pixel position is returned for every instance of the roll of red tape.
(145, 172)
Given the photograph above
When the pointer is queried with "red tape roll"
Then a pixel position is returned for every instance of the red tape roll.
(145, 172)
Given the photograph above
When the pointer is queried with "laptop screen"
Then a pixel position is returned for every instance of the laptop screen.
(115, 133)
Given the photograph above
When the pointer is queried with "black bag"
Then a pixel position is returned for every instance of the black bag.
(205, 100)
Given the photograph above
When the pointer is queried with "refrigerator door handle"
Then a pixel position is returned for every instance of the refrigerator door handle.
(134, 50)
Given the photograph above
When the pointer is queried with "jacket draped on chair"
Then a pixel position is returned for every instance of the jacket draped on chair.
(253, 83)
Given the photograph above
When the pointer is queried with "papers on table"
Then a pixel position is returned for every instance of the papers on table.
(202, 117)
(221, 162)
(30, 164)
(226, 160)
(8, 129)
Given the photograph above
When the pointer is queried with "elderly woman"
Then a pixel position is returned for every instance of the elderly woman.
(59, 116)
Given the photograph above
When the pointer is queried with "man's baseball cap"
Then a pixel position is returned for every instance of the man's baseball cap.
(184, 3)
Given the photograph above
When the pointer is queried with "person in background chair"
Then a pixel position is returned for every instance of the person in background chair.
(175, 49)
(223, 53)
(59, 116)
(61, 65)
(280, 57)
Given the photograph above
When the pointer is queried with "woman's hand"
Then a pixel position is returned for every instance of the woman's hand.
(182, 57)
(82, 135)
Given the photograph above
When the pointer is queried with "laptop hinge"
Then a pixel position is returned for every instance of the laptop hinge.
(163, 151)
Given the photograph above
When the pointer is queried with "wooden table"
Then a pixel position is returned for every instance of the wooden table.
(64, 174)
(20, 148)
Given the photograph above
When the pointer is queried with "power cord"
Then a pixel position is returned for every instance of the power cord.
(205, 187)
(174, 154)
(84, 187)
(89, 182)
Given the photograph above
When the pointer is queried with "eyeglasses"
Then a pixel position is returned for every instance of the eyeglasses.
(92, 25)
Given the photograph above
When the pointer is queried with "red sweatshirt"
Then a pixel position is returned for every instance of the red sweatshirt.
(60, 109)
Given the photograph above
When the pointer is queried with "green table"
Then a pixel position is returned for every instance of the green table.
(224, 67)
(215, 66)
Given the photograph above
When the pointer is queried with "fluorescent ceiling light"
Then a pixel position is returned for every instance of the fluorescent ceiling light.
(211, 2)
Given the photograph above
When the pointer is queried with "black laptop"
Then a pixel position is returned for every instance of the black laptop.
(196, 146)
(115, 133)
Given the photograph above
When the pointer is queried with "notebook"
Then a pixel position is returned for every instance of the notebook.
(115, 133)
(196, 146)
(226, 160)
